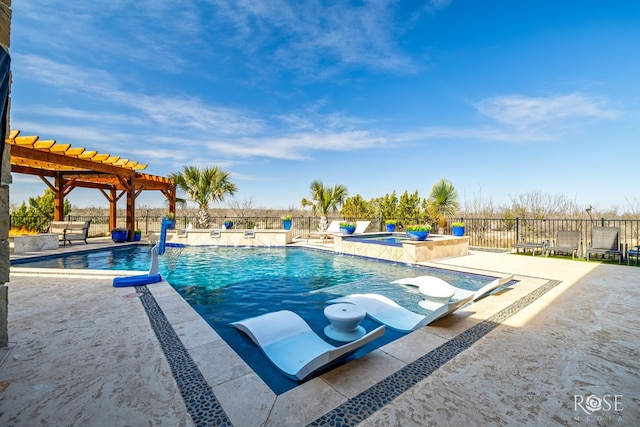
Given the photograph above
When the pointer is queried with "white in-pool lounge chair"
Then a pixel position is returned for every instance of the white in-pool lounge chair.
(388, 312)
(290, 344)
(439, 290)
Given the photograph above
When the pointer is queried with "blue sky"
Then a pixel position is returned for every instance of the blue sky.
(500, 97)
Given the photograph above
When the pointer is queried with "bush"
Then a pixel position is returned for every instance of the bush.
(418, 228)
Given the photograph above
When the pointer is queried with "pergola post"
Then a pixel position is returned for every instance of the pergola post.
(170, 195)
(58, 200)
(113, 211)
(129, 184)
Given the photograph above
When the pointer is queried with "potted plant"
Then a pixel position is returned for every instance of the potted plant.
(286, 222)
(390, 224)
(119, 234)
(137, 235)
(457, 228)
(347, 227)
(172, 220)
(228, 224)
(418, 232)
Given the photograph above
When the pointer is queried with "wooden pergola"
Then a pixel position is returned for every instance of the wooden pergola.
(63, 168)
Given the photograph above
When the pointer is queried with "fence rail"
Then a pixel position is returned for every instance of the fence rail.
(502, 233)
(492, 233)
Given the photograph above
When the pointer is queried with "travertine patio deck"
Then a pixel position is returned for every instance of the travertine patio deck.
(85, 353)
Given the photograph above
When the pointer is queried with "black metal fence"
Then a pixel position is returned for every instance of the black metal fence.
(502, 233)
(492, 233)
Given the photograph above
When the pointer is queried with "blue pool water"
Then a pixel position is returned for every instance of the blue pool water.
(391, 239)
(225, 284)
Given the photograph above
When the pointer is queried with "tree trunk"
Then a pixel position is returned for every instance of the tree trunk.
(322, 225)
(204, 219)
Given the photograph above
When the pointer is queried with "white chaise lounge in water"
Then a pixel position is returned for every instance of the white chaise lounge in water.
(388, 312)
(436, 289)
(292, 346)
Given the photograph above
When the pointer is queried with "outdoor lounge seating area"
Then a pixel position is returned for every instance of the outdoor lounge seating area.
(441, 299)
(388, 312)
(298, 352)
(604, 241)
(292, 346)
(565, 241)
(70, 230)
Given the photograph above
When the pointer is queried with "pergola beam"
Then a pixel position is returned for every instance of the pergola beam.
(72, 162)
(72, 167)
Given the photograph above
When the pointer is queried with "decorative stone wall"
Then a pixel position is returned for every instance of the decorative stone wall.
(233, 237)
(35, 243)
(5, 180)
(408, 252)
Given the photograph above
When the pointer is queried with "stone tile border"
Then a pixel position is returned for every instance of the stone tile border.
(201, 403)
(205, 409)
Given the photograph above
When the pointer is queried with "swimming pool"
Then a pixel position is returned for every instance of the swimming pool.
(225, 284)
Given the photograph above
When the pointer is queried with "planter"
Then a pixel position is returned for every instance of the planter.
(171, 224)
(286, 224)
(457, 231)
(137, 237)
(228, 224)
(391, 228)
(347, 230)
(417, 235)
(119, 236)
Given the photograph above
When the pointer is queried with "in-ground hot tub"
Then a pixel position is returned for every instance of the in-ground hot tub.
(398, 248)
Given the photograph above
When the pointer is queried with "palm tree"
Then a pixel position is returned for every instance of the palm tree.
(204, 186)
(325, 199)
(443, 202)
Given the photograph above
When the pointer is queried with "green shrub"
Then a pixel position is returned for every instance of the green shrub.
(418, 227)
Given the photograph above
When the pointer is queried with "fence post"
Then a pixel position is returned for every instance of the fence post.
(517, 229)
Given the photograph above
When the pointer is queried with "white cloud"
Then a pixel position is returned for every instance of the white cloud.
(52, 73)
(165, 110)
(528, 112)
(435, 5)
(226, 133)
(318, 38)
